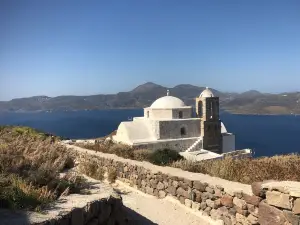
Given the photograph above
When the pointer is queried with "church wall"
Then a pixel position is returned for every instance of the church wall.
(160, 113)
(176, 145)
(186, 113)
(228, 143)
(172, 129)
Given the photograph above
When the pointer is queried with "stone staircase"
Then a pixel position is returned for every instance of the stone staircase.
(193, 146)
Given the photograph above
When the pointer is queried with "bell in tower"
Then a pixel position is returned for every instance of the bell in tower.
(207, 109)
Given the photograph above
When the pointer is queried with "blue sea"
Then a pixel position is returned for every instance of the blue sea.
(266, 135)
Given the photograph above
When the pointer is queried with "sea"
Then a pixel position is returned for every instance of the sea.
(265, 135)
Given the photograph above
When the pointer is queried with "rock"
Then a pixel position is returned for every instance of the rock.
(253, 210)
(196, 205)
(218, 193)
(227, 200)
(252, 219)
(153, 183)
(292, 218)
(199, 186)
(241, 211)
(175, 184)
(149, 190)
(198, 195)
(207, 210)
(144, 183)
(257, 189)
(180, 191)
(296, 208)
(210, 190)
(217, 203)
(238, 194)
(278, 199)
(155, 192)
(188, 203)
(227, 220)
(254, 200)
(232, 211)
(240, 218)
(182, 199)
(215, 214)
(223, 210)
(210, 203)
(269, 215)
(183, 185)
(191, 194)
(239, 203)
(165, 184)
(172, 190)
(203, 205)
(205, 195)
(161, 194)
(188, 182)
(77, 217)
(160, 186)
(219, 187)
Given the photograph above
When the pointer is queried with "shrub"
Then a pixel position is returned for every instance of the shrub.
(164, 157)
(92, 169)
(30, 169)
(111, 175)
(142, 154)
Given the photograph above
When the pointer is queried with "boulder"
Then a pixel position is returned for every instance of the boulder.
(269, 215)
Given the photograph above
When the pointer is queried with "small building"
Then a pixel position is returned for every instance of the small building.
(169, 123)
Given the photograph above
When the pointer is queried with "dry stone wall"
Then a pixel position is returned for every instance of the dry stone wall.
(265, 203)
(101, 212)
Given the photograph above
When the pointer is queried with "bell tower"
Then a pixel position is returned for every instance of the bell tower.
(207, 109)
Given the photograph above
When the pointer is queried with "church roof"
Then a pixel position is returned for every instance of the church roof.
(167, 102)
(207, 93)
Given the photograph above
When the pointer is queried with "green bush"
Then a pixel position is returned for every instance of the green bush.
(164, 157)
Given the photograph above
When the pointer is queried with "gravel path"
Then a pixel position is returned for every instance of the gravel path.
(145, 209)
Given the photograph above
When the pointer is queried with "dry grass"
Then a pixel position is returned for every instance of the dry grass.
(30, 166)
(245, 170)
(92, 169)
(111, 175)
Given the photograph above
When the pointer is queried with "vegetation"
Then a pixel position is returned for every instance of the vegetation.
(160, 157)
(30, 167)
(244, 170)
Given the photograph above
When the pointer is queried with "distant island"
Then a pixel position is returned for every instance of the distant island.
(250, 102)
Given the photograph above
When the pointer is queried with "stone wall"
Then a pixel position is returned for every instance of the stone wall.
(268, 203)
(100, 212)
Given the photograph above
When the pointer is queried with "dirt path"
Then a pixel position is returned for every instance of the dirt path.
(145, 209)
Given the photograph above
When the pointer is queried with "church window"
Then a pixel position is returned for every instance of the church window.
(180, 115)
(147, 114)
(182, 131)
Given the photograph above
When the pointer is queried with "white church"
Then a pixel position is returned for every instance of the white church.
(168, 123)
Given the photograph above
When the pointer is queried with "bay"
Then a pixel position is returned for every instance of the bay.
(266, 135)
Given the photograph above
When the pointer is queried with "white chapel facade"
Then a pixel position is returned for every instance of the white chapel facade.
(169, 123)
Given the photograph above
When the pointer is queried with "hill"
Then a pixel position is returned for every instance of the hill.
(250, 102)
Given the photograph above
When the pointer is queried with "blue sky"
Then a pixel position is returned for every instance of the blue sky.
(61, 47)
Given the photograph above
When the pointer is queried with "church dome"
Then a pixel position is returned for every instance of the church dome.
(167, 102)
(207, 93)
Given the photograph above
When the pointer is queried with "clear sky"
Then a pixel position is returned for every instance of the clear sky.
(61, 47)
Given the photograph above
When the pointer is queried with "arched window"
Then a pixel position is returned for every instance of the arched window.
(147, 114)
(180, 114)
(182, 131)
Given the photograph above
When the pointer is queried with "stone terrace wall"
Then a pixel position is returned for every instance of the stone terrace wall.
(100, 212)
(230, 202)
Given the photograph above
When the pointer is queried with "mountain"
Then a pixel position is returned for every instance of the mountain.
(250, 102)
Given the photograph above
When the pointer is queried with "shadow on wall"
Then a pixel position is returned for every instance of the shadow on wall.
(8, 217)
(137, 219)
